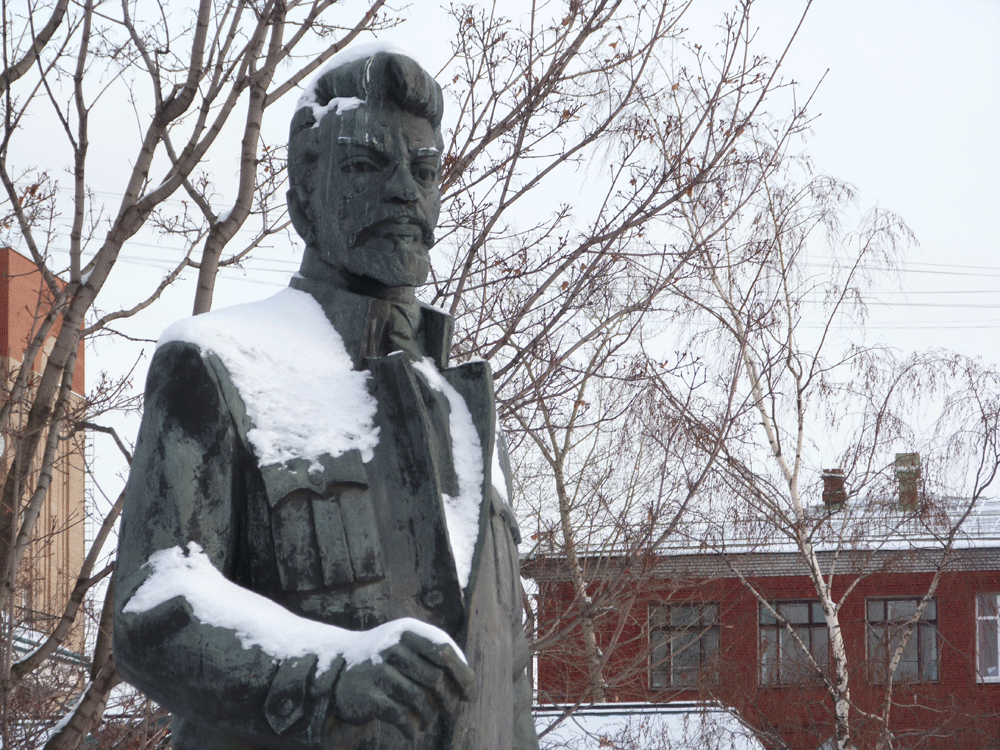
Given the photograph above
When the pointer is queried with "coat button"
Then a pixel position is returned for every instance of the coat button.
(433, 598)
(284, 707)
(316, 477)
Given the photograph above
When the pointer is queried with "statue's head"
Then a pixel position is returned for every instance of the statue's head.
(364, 159)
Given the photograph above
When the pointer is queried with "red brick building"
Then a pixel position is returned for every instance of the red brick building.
(717, 624)
(54, 557)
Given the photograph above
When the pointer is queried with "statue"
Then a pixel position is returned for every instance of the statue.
(317, 548)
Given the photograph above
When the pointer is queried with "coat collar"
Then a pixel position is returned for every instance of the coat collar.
(359, 320)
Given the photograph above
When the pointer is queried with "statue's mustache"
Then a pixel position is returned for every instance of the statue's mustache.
(397, 225)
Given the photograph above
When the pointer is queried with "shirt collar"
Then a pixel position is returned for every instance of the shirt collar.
(351, 315)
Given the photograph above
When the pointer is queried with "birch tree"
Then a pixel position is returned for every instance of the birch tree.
(785, 285)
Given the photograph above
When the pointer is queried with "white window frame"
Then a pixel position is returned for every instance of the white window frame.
(990, 619)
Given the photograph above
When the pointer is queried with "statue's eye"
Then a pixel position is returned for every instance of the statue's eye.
(423, 172)
(359, 166)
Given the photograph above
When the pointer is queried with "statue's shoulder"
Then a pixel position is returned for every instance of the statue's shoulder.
(274, 323)
(285, 375)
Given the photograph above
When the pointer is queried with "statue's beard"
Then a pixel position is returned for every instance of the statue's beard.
(392, 251)
(391, 260)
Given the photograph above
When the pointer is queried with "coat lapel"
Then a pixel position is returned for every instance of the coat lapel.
(474, 383)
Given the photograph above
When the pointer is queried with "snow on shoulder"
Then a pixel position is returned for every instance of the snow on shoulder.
(293, 373)
(258, 621)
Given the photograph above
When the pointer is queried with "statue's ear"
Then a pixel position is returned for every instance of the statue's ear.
(299, 214)
(303, 156)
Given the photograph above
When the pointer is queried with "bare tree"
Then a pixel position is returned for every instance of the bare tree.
(194, 79)
(777, 382)
(580, 134)
(784, 285)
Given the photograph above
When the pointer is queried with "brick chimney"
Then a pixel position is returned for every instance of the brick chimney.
(834, 492)
(908, 479)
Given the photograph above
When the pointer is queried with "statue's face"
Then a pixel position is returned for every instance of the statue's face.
(377, 199)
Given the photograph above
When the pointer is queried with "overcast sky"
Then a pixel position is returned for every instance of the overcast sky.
(907, 111)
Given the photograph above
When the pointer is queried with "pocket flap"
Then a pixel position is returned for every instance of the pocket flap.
(281, 480)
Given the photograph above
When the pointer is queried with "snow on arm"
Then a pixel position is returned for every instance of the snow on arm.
(293, 373)
(259, 621)
(461, 512)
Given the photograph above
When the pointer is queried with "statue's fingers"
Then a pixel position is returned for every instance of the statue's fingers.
(447, 658)
(391, 712)
(410, 699)
(442, 689)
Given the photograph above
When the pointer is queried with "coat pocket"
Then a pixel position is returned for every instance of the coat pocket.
(323, 524)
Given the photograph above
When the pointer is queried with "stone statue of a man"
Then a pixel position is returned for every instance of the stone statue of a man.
(317, 548)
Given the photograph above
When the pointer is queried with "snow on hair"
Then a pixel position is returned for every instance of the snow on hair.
(371, 74)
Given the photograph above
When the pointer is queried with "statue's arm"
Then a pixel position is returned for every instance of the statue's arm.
(185, 487)
(180, 635)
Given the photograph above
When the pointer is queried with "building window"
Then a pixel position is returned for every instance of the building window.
(683, 643)
(988, 637)
(888, 620)
(783, 660)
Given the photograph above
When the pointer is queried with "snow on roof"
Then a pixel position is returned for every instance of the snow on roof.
(293, 373)
(650, 726)
(26, 640)
(863, 526)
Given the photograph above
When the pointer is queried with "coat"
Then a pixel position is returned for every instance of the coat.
(352, 539)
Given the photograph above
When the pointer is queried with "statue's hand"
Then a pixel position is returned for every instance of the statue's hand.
(416, 679)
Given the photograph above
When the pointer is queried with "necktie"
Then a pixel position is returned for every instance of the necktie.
(392, 327)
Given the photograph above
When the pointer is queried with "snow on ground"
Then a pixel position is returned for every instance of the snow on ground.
(294, 374)
(645, 726)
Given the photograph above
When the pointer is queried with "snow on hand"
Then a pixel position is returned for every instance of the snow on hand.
(293, 373)
(258, 621)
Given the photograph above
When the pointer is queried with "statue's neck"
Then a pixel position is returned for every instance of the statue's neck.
(318, 271)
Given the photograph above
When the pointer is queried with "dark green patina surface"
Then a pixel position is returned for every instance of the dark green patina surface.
(358, 543)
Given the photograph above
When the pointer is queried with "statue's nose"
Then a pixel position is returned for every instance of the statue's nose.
(401, 187)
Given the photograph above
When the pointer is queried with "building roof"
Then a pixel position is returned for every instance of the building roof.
(871, 525)
(860, 537)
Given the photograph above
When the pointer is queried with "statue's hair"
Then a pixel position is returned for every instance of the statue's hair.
(381, 77)
(384, 76)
